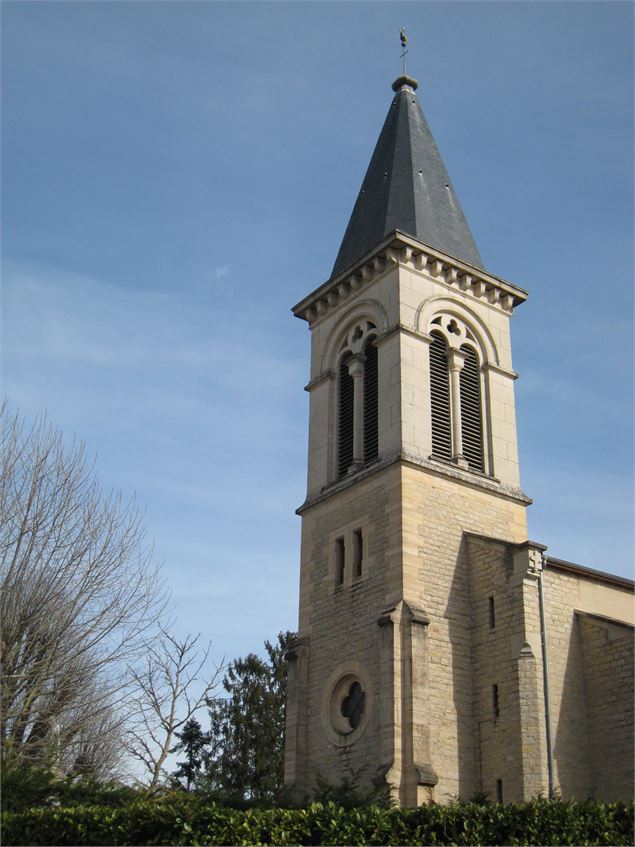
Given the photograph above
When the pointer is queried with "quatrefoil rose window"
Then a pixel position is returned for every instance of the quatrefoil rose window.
(347, 705)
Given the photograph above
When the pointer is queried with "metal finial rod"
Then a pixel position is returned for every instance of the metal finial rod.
(404, 51)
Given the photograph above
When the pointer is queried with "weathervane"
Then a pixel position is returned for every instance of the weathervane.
(404, 50)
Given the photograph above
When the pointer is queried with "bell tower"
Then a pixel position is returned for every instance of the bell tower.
(412, 454)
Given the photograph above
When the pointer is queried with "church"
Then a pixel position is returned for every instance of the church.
(440, 651)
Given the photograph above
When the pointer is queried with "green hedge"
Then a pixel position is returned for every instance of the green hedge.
(187, 820)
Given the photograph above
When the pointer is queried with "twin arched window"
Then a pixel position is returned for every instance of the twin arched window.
(357, 384)
(455, 397)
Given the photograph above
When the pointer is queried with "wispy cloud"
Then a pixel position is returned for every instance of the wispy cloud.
(221, 271)
(155, 352)
(192, 406)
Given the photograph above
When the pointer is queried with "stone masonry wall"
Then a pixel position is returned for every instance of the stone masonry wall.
(437, 512)
(607, 659)
(506, 653)
(565, 592)
(413, 523)
(339, 624)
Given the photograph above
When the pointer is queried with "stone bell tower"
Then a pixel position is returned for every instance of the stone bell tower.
(412, 453)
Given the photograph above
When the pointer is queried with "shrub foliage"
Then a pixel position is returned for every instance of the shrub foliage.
(189, 820)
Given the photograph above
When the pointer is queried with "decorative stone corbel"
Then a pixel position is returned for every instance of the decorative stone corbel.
(493, 295)
(436, 267)
(421, 260)
(367, 272)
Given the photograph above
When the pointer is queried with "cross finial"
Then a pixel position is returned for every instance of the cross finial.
(404, 50)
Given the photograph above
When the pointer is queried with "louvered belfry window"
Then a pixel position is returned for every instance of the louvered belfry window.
(471, 412)
(345, 418)
(370, 402)
(440, 398)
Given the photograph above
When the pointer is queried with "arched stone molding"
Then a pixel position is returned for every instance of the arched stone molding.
(366, 310)
(437, 306)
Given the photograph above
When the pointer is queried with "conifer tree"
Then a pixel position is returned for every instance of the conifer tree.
(245, 762)
(192, 742)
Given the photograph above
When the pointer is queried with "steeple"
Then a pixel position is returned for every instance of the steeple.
(413, 458)
(407, 188)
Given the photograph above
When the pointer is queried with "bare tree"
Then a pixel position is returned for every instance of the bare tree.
(166, 700)
(79, 600)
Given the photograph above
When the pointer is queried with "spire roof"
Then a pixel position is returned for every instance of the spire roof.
(407, 188)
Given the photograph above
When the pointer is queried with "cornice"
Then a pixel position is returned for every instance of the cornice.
(402, 250)
(588, 573)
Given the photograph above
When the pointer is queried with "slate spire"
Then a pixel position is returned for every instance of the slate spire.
(407, 187)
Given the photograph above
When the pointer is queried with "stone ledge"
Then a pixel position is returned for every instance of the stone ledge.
(433, 466)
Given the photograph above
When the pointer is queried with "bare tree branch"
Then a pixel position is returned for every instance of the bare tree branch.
(80, 599)
(168, 693)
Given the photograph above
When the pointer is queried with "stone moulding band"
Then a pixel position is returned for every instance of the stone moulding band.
(431, 465)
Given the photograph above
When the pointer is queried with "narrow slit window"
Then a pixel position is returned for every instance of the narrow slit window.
(471, 411)
(495, 702)
(358, 553)
(492, 613)
(340, 561)
(370, 402)
(345, 417)
(499, 790)
(440, 398)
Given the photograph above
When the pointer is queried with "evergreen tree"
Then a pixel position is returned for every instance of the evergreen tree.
(192, 741)
(245, 762)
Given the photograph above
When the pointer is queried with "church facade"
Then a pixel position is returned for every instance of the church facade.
(440, 651)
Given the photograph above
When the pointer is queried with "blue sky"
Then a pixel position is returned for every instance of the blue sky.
(176, 175)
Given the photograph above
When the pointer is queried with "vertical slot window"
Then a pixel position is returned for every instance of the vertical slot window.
(491, 612)
(440, 398)
(495, 703)
(340, 561)
(358, 553)
(499, 790)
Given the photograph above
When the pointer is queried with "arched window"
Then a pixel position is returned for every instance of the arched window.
(440, 398)
(345, 417)
(357, 398)
(370, 436)
(471, 411)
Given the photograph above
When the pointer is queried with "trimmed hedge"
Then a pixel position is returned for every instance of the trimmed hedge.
(189, 820)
